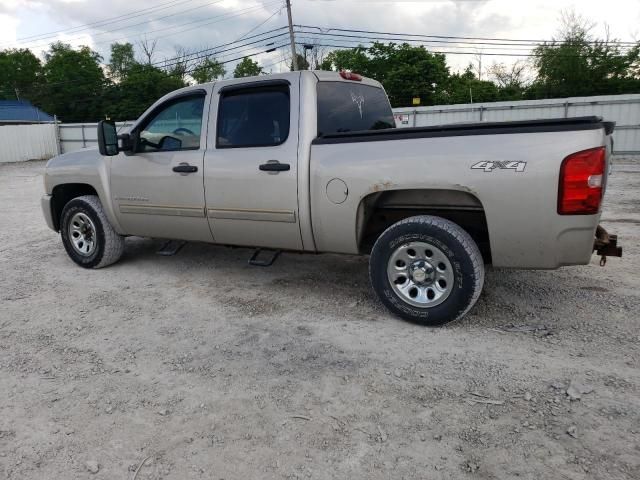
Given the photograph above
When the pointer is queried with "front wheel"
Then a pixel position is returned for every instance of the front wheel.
(427, 270)
(87, 235)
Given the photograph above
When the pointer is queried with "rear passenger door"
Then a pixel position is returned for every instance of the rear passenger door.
(251, 175)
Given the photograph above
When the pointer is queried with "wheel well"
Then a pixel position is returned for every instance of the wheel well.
(379, 211)
(62, 194)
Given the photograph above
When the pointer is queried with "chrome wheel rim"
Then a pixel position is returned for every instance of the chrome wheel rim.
(82, 233)
(420, 274)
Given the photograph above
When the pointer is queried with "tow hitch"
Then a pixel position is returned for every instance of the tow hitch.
(606, 245)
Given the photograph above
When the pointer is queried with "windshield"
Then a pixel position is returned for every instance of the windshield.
(350, 107)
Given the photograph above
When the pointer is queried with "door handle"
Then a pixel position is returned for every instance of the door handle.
(185, 168)
(275, 166)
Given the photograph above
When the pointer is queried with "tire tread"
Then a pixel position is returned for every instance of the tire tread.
(465, 240)
(113, 242)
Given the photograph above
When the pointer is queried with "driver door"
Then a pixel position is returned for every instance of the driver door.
(157, 189)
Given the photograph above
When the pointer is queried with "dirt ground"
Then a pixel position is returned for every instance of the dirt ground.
(204, 367)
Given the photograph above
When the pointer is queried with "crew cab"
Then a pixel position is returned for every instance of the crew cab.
(311, 162)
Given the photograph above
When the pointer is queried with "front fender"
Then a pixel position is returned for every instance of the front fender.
(84, 167)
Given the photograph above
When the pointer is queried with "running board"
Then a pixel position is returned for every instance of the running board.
(170, 248)
(264, 263)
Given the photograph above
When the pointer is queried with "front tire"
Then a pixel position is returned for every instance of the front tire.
(87, 235)
(427, 270)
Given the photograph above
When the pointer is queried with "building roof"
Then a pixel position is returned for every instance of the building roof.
(21, 111)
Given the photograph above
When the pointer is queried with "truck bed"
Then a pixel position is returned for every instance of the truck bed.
(520, 206)
(468, 129)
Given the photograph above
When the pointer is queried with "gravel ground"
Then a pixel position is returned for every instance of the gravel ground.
(199, 366)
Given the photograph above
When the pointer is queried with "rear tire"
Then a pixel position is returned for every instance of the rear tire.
(427, 270)
(87, 235)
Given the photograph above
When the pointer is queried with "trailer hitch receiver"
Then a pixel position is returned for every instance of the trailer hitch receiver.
(606, 245)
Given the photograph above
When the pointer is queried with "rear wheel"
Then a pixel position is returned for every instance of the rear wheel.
(87, 235)
(427, 270)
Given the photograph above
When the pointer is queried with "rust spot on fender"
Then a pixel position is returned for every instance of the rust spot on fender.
(381, 186)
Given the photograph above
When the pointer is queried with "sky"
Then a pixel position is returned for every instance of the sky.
(194, 25)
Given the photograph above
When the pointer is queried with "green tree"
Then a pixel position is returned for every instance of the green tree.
(355, 60)
(74, 83)
(511, 80)
(303, 64)
(578, 64)
(466, 87)
(247, 68)
(20, 74)
(143, 85)
(208, 70)
(122, 59)
(406, 71)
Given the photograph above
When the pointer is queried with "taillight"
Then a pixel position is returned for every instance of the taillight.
(581, 182)
(351, 76)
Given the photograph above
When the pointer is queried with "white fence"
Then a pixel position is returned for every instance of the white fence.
(622, 109)
(41, 141)
(76, 136)
(27, 142)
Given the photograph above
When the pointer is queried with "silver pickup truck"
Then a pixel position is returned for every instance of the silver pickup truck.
(311, 161)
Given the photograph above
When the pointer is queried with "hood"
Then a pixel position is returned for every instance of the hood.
(71, 158)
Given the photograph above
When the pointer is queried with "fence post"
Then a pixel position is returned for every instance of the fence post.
(566, 109)
(415, 118)
(84, 142)
(481, 112)
(56, 132)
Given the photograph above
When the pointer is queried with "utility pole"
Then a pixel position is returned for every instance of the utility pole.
(292, 37)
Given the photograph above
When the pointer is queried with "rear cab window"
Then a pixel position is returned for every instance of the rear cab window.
(351, 107)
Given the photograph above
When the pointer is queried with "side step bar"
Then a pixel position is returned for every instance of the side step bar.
(264, 263)
(170, 248)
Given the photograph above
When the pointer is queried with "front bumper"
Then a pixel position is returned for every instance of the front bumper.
(45, 202)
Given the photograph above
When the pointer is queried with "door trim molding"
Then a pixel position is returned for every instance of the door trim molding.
(165, 210)
(284, 216)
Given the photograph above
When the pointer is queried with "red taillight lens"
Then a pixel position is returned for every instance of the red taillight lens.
(351, 76)
(581, 182)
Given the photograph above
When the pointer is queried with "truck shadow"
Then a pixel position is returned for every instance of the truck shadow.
(339, 284)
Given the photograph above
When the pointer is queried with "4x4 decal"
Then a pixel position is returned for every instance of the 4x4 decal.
(491, 166)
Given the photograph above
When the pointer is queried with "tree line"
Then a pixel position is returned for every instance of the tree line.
(77, 86)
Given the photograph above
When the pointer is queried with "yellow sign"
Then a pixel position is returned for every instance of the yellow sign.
(416, 100)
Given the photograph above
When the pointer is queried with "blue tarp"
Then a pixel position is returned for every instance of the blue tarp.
(17, 111)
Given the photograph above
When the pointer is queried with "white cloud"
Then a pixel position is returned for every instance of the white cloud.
(482, 18)
(8, 28)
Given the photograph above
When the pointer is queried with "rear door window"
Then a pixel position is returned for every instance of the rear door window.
(351, 107)
(255, 117)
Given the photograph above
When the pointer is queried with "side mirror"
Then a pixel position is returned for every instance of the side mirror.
(107, 138)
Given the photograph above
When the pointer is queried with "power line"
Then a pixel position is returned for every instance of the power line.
(208, 53)
(351, 47)
(186, 72)
(172, 62)
(86, 26)
(207, 21)
(509, 51)
(407, 38)
(326, 29)
(213, 50)
(125, 27)
(259, 25)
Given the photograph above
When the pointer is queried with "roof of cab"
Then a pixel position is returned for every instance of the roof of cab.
(321, 75)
